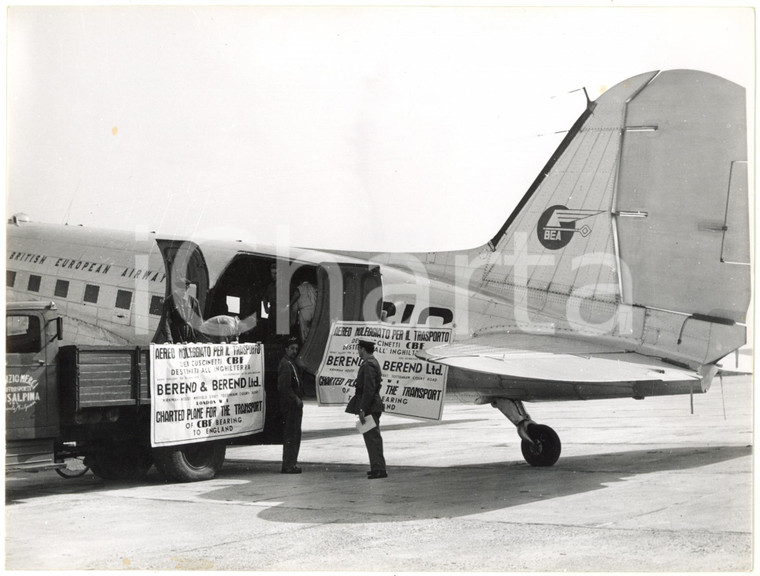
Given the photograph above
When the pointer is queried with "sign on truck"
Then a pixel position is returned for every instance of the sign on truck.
(206, 392)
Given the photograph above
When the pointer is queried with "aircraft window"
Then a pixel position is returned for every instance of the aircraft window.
(156, 305)
(389, 308)
(124, 299)
(62, 288)
(34, 283)
(10, 278)
(446, 315)
(91, 293)
(22, 334)
(233, 304)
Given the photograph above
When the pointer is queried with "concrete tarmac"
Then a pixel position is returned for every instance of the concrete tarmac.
(641, 486)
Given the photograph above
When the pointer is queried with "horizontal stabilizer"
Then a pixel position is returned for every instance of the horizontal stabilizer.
(556, 359)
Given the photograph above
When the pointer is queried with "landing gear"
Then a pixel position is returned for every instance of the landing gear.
(544, 446)
(540, 444)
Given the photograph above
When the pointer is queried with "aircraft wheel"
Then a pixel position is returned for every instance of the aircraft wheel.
(191, 462)
(545, 448)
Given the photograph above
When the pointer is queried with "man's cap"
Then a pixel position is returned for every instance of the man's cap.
(365, 343)
(290, 341)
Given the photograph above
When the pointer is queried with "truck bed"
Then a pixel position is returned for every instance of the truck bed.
(103, 376)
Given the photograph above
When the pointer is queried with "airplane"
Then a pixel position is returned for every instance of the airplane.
(623, 272)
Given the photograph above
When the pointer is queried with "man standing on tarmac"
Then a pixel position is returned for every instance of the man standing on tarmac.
(370, 405)
(291, 403)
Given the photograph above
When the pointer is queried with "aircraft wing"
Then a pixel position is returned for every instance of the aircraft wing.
(520, 361)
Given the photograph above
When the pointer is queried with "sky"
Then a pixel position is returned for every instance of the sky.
(344, 127)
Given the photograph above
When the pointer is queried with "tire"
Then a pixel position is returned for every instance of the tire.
(545, 448)
(75, 468)
(191, 462)
(120, 462)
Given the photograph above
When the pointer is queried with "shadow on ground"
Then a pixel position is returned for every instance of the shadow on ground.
(340, 493)
(351, 431)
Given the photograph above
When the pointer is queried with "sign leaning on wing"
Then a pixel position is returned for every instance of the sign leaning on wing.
(411, 387)
(205, 392)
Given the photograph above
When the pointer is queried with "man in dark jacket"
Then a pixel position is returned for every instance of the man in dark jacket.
(291, 404)
(370, 405)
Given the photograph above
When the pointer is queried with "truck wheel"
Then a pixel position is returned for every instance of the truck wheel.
(121, 463)
(191, 462)
(74, 468)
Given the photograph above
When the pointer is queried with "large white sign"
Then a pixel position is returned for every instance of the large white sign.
(205, 392)
(411, 387)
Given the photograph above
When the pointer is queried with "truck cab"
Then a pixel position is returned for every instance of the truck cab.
(32, 425)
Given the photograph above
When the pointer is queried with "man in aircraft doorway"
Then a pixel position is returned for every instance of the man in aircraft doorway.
(181, 316)
(302, 306)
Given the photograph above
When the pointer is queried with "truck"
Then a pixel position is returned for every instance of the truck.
(91, 405)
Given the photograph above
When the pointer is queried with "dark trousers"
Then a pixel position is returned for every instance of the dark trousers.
(291, 437)
(374, 442)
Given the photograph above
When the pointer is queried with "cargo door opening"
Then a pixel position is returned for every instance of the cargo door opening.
(261, 285)
(350, 292)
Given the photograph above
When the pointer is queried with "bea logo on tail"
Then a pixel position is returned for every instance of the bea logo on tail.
(556, 226)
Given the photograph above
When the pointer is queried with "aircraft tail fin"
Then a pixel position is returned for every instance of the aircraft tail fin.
(644, 206)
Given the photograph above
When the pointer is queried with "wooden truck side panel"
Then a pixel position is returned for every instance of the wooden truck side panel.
(103, 377)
